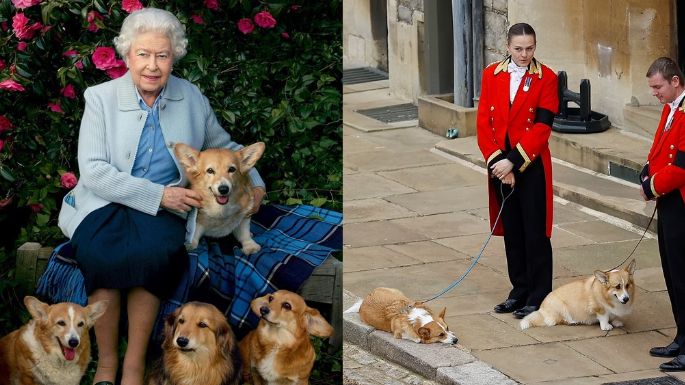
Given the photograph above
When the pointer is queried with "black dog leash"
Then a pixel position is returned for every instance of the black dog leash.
(456, 282)
(638, 242)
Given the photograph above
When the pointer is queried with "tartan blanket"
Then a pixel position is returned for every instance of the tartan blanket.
(294, 239)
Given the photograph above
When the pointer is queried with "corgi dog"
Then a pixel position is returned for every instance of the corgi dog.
(199, 348)
(219, 175)
(389, 310)
(52, 348)
(600, 298)
(278, 351)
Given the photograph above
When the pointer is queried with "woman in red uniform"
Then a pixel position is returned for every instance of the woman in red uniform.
(517, 106)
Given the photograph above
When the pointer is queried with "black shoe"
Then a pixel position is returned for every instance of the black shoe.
(508, 306)
(676, 364)
(665, 351)
(524, 311)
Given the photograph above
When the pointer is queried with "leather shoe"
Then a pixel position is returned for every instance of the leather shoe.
(524, 311)
(672, 350)
(676, 364)
(508, 306)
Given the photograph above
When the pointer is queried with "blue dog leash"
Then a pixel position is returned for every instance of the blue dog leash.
(456, 282)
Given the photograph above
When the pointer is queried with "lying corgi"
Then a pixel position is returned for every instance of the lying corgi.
(391, 311)
(53, 348)
(199, 348)
(602, 297)
(219, 175)
(279, 352)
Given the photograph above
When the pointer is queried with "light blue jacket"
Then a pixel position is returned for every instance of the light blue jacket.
(108, 141)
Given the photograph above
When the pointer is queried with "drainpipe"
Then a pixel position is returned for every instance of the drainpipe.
(463, 51)
(478, 33)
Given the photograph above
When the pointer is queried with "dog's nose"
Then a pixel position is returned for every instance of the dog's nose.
(223, 189)
(182, 341)
(454, 340)
(73, 342)
(625, 300)
(264, 310)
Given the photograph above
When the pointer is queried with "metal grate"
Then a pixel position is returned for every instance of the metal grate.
(363, 75)
(392, 114)
(649, 381)
(622, 172)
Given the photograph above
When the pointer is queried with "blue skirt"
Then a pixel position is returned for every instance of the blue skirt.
(118, 247)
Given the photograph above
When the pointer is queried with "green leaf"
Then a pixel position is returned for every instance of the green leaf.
(293, 201)
(42, 219)
(6, 174)
(318, 202)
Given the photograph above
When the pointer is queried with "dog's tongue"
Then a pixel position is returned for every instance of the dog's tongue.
(222, 200)
(69, 353)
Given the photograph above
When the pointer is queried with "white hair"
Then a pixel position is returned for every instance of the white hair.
(152, 20)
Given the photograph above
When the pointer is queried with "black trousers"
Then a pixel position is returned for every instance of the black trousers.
(671, 232)
(528, 249)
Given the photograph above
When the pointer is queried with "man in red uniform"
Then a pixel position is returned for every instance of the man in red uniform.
(515, 114)
(663, 179)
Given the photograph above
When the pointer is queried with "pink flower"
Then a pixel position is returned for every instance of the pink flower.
(2, 65)
(197, 19)
(285, 35)
(5, 124)
(104, 58)
(36, 207)
(265, 20)
(118, 70)
(70, 53)
(245, 26)
(11, 85)
(21, 46)
(131, 6)
(21, 4)
(69, 92)
(68, 180)
(91, 18)
(79, 65)
(55, 107)
(22, 30)
(212, 4)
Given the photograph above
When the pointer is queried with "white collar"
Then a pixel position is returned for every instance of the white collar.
(674, 104)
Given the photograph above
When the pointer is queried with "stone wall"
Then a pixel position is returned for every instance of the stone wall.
(496, 26)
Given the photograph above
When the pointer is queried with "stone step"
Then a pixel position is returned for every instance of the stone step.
(608, 152)
(642, 120)
(584, 186)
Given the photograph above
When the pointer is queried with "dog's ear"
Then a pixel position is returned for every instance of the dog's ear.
(250, 155)
(424, 333)
(317, 325)
(96, 311)
(187, 157)
(442, 313)
(631, 267)
(602, 276)
(39, 310)
(170, 324)
(225, 339)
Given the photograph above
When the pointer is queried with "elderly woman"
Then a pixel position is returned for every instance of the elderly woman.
(126, 217)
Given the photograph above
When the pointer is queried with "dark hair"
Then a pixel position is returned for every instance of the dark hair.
(520, 29)
(667, 68)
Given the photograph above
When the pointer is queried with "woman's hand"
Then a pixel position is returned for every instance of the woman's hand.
(509, 179)
(502, 168)
(180, 199)
(258, 195)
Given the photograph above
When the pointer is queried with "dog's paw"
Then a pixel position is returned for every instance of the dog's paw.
(606, 327)
(524, 324)
(250, 247)
(191, 246)
(617, 323)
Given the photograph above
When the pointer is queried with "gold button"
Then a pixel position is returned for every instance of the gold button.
(672, 147)
(669, 163)
(670, 155)
(531, 110)
(492, 108)
(527, 128)
(533, 155)
(530, 121)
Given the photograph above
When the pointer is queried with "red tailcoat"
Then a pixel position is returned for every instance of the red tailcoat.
(665, 166)
(527, 122)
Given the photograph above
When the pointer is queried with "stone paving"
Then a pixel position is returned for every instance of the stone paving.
(415, 219)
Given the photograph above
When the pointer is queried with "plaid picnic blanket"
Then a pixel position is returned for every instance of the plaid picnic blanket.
(294, 239)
